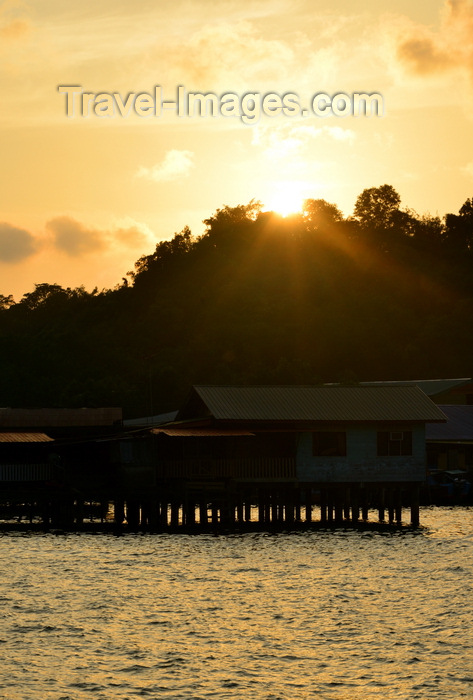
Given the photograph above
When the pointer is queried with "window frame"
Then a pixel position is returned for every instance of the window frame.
(329, 443)
(394, 443)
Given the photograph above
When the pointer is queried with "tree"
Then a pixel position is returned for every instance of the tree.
(376, 207)
(6, 302)
(459, 229)
(319, 213)
(165, 251)
(228, 216)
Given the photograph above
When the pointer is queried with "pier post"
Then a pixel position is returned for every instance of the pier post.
(290, 506)
(323, 505)
(398, 505)
(118, 511)
(247, 507)
(355, 504)
(175, 507)
(308, 504)
(329, 493)
(274, 507)
(365, 496)
(261, 509)
(267, 506)
(240, 508)
(346, 503)
(297, 498)
(163, 513)
(133, 514)
(203, 516)
(390, 499)
(415, 520)
(190, 512)
(381, 505)
(338, 507)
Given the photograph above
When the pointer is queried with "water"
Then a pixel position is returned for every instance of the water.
(327, 615)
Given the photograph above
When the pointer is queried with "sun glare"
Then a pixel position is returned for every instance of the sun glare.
(286, 198)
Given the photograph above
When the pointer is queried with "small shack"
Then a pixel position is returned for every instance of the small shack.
(344, 448)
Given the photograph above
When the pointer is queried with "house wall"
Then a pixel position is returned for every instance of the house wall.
(361, 462)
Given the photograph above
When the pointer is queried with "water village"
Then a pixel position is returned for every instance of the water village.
(242, 457)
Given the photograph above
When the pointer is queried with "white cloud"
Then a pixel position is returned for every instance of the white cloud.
(280, 142)
(468, 169)
(231, 56)
(175, 165)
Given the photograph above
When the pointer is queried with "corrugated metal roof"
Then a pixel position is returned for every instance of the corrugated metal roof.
(25, 437)
(202, 432)
(431, 387)
(458, 428)
(319, 403)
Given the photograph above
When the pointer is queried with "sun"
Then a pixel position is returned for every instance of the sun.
(286, 198)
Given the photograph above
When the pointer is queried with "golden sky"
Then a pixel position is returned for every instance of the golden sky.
(83, 197)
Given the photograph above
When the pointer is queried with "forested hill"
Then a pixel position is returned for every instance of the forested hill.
(384, 294)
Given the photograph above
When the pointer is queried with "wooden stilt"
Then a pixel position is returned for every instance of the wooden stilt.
(390, 500)
(267, 507)
(415, 519)
(381, 504)
(247, 507)
(329, 505)
(297, 498)
(308, 504)
(203, 515)
(338, 507)
(133, 514)
(398, 505)
(261, 506)
(175, 508)
(355, 504)
(323, 505)
(346, 503)
(274, 507)
(240, 509)
(190, 512)
(290, 507)
(364, 504)
(164, 513)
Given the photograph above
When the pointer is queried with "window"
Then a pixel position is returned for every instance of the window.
(396, 443)
(329, 444)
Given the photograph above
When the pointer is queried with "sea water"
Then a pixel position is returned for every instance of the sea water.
(335, 615)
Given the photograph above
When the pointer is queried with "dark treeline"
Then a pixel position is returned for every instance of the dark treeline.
(383, 294)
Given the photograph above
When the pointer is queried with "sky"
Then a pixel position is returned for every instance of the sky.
(83, 196)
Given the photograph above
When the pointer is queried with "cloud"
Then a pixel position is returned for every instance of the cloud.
(468, 169)
(426, 52)
(12, 24)
(132, 235)
(75, 239)
(232, 55)
(280, 142)
(176, 165)
(14, 30)
(16, 244)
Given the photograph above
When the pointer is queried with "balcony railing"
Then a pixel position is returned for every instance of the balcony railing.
(243, 468)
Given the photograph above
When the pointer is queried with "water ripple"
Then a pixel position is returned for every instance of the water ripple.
(326, 615)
